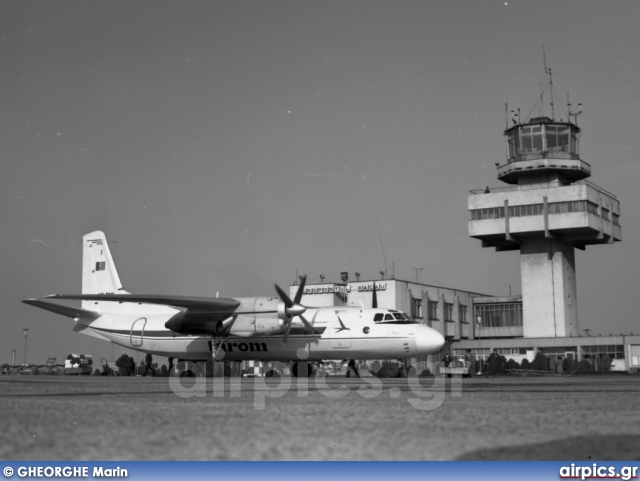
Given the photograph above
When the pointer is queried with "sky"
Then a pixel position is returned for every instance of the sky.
(225, 146)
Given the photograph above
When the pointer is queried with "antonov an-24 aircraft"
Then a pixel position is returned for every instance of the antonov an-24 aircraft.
(234, 329)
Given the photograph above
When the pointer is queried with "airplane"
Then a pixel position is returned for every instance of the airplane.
(234, 329)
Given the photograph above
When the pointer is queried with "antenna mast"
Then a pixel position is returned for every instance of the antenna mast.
(384, 259)
(550, 84)
(573, 114)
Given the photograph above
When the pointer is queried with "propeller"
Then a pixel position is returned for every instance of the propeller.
(293, 308)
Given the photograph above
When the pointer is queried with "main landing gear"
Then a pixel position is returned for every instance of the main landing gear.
(302, 369)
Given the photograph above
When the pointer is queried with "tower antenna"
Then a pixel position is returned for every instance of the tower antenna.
(547, 71)
(573, 114)
(506, 115)
(384, 259)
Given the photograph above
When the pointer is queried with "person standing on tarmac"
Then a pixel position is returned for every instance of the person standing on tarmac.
(447, 360)
(352, 367)
(148, 359)
(494, 363)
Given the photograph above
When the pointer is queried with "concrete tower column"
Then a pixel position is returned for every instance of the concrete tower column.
(549, 294)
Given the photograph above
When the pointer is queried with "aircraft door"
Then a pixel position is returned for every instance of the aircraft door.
(137, 332)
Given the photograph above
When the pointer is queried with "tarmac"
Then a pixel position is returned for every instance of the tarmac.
(590, 417)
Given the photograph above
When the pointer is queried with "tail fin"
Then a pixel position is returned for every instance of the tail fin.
(99, 274)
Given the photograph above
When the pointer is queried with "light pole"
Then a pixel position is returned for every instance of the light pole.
(478, 326)
(26, 331)
(14, 358)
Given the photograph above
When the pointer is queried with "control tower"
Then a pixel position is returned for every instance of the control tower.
(547, 210)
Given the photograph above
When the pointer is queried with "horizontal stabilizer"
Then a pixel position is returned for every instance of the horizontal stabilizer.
(62, 310)
(208, 304)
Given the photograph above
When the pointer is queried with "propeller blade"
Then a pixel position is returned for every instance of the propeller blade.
(303, 281)
(374, 300)
(286, 330)
(285, 298)
(306, 323)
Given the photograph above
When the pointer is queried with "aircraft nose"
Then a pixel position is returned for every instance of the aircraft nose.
(428, 340)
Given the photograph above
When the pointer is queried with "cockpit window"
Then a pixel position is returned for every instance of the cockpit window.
(397, 317)
(378, 317)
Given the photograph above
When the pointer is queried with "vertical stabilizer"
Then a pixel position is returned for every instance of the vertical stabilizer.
(99, 275)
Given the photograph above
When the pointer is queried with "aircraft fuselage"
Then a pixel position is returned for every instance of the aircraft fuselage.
(339, 332)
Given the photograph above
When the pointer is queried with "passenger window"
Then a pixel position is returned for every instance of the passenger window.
(378, 317)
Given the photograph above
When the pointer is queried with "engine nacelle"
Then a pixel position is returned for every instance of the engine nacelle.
(268, 326)
(255, 316)
(269, 316)
(186, 323)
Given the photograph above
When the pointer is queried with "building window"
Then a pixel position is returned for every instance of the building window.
(538, 209)
(532, 138)
(433, 310)
(514, 143)
(448, 311)
(462, 313)
(614, 352)
(616, 219)
(556, 352)
(416, 308)
(507, 314)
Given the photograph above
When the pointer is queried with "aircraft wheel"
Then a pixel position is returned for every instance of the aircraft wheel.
(376, 369)
(391, 370)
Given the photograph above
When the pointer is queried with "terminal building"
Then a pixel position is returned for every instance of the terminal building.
(473, 322)
(547, 210)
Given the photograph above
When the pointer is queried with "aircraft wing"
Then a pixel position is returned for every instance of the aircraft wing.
(62, 310)
(208, 304)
